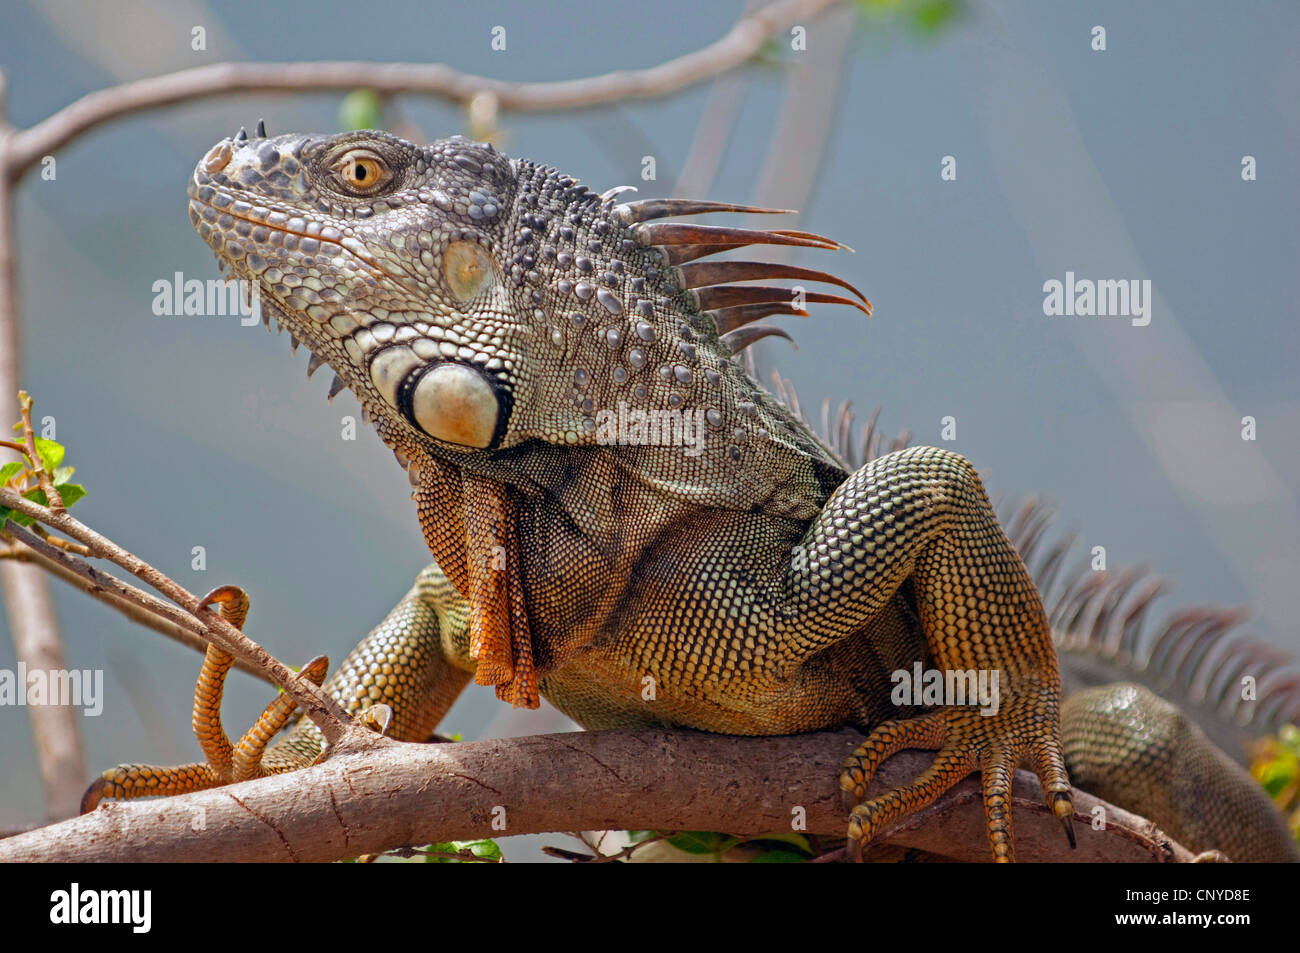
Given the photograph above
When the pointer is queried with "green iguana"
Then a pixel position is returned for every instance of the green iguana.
(614, 502)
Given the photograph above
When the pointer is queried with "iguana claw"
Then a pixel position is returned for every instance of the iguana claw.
(967, 741)
(224, 763)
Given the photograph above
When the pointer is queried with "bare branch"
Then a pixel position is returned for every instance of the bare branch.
(798, 145)
(136, 604)
(373, 795)
(43, 477)
(740, 44)
(55, 733)
(30, 612)
(323, 710)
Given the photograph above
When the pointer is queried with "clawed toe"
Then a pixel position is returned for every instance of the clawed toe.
(223, 763)
(966, 740)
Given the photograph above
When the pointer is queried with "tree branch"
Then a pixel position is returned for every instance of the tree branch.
(373, 794)
(28, 607)
(136, 604)
(740, 44)
(323, 710)
(32, 626)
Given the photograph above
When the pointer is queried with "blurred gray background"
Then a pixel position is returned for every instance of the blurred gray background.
(1117, 164)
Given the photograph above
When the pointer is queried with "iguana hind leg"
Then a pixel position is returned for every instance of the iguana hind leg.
(922, 514)
(404, 675)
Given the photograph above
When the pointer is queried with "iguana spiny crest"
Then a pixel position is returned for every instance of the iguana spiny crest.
(477, 304)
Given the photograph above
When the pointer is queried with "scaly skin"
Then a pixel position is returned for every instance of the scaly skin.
(223, 763)
(486, 311)
(1126, 744)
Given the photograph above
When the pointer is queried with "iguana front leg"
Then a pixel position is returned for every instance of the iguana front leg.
(223, 762)
(922, 514)
(415, 662)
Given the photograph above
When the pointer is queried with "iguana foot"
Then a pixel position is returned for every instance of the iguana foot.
(225, 763)
(1024, 728)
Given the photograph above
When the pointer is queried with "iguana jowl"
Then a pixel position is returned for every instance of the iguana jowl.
(490, 313)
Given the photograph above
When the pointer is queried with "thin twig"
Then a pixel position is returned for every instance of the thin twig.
(44, 478)
(64, 544)
(50, 554)
(836, 856)
(466, 855)
(323, 710)
(739, 45)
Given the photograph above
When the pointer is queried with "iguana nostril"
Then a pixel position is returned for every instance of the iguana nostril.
(218, 158)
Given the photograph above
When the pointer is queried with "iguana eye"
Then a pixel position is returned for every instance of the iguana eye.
(467, 268)
(362, 172)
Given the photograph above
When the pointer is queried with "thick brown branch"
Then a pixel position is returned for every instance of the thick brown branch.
(374, 795)
(740, 44)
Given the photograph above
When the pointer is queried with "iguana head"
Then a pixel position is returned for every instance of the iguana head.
(475, 302)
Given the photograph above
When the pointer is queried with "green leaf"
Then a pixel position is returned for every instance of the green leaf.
(62, 475)
(19, 518)
(1290, 737)
(443, 847)
(930, 17)
(779, 857)
(771, 54)
(361, 109)
(702, 842)
(487, 849)
(11, 470)
(51, 453)
(71, 492)
(797, 841)
(1276, 778)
